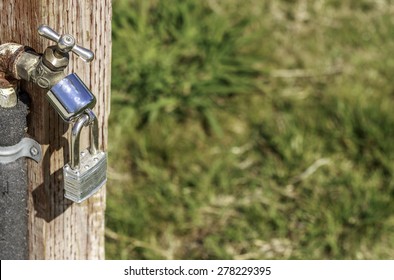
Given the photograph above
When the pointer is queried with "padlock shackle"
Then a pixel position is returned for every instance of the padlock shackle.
(93, 132)
(88, 118)
(75, 137)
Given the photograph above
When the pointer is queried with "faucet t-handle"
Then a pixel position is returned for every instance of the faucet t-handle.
(65, 43)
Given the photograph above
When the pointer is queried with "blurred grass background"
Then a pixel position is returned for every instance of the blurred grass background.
(251, 129)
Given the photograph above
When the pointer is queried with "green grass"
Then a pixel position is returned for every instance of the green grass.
(251, 130)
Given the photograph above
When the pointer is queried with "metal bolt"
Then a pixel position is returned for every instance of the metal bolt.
(33, 151)
(68, 39)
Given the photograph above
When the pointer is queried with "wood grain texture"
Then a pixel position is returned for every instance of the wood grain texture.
(58, 228)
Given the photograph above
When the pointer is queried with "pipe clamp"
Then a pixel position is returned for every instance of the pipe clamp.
(27, 147)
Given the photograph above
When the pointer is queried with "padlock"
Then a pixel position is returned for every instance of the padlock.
(70, 97)
(86, 172)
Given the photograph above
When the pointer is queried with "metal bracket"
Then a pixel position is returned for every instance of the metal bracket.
(27, 147)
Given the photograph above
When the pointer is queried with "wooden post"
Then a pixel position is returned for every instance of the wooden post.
(58, 228)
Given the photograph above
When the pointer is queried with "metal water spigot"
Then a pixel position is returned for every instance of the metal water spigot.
(67, 94)
(65, 43)
(85, 174)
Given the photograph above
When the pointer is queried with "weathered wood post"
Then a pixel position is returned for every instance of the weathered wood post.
(58, 228)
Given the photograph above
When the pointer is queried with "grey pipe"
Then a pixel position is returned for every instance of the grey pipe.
(13, 187)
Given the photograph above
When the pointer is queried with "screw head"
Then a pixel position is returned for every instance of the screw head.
(66, 43)
(33, 151)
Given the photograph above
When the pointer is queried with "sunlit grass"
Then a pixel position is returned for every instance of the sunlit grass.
(251, 130)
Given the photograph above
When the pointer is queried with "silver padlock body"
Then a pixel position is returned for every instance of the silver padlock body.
(70, 97)
(82, 183)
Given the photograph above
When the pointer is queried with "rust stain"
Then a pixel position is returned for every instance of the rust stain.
(7, 61)
(3, 82)
(4, 60)
(8, 67)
